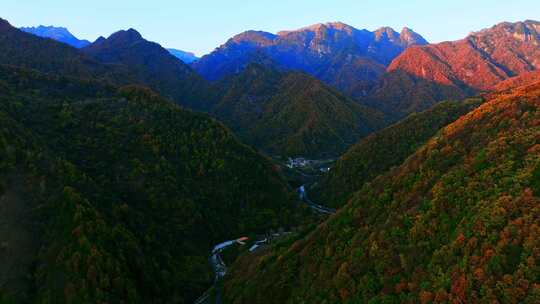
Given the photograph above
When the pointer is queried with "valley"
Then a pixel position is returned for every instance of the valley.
(322, 164)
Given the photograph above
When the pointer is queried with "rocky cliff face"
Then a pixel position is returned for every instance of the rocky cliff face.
(479, 61)
(424, 75)
(339, 54)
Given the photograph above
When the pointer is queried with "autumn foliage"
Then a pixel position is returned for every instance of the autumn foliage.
(457, 222)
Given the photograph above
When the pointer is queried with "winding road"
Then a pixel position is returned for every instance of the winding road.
(319, 208)
(219, 267)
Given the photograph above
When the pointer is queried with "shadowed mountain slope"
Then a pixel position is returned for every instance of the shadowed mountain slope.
(292, 114)
(154, 66)
(125, 192)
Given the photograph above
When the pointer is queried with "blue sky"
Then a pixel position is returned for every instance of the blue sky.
(202, 25)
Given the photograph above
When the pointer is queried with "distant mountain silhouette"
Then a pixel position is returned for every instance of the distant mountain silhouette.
(186, 57)
(50, 56)
(153, 65)
(57, 33)
(123, 58)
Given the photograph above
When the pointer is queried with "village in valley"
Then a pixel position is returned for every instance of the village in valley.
(310, 165)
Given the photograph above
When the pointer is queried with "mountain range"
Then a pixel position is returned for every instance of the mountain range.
(152, 65)
(397, 73)
(126, 57)
(100, 183)
(417, 75)
(121, 166)
(336, 53)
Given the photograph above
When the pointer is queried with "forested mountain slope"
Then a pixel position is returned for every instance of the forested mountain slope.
(124, 58)
(125, 192)
(456, 222)
(50, 56)
(399, 94)
(292, 114)
(377, 153)
(154, 66)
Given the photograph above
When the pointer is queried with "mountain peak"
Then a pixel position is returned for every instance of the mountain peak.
(410, 37)
(312, 28)
(386, 32)
(257, 38)
(332, 25)
(126, 36)
(54, 32)
(524, 31)
(49, 27)
(57, 33)
(4, 24)
(406, 37)
(320, 27)
(100, 39)
(339, 25)
(406, 31)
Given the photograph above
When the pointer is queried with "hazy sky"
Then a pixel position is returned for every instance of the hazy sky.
(202, 25)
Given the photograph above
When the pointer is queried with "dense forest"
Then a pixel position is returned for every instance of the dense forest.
(399, 94)
(121, 168)
(292, 114)
(287, 114)
(456, 222)
(377, 153)
(126, 192)
(122, 59)
(150, 64)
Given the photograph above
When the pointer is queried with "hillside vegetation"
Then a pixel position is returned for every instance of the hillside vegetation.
(377, 153)
(457, 222)
(292, 114)
(124, 192)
